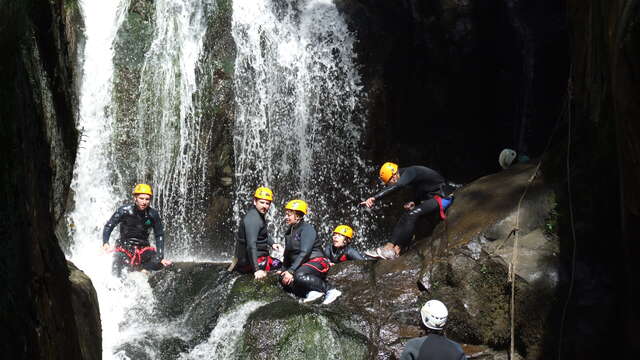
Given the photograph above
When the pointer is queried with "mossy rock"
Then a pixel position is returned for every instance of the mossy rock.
(246, 289)
(287, 329)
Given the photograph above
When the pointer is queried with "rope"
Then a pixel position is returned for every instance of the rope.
(514, 258)
(515, 231)
(573, 232)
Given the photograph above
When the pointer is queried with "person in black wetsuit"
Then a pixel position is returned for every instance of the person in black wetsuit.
(428, 186)
(254, 242)
(339, 249)
(132, 248)
(435, 345)
(305, 266)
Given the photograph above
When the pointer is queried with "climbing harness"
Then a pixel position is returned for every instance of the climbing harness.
(321, 264)
(135, 258)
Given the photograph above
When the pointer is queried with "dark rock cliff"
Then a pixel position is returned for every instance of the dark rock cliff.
(38, 141)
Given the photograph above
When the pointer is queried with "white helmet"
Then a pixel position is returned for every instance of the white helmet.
(506, 158)
(434, 314)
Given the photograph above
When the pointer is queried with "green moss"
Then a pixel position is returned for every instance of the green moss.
(289, 330)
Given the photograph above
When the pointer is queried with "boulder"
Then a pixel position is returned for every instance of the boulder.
(86, 311)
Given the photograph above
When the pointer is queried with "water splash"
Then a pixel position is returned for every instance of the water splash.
(300, 118)
(225, 337)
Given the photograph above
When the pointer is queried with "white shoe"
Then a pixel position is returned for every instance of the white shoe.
(332, 295)
(313, 296)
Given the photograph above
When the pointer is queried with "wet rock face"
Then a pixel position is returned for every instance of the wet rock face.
(86, 311)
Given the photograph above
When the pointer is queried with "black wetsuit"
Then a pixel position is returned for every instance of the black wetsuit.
(134, 236)
(336, 255)
(253, 242)
(433, 346)
(303, 257)
(425, 183)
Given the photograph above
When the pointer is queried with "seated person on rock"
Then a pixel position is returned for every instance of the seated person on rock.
(340, 249)
(305, 266)
(254, 242)
(435, 345)
(132, 248)
(428, 186)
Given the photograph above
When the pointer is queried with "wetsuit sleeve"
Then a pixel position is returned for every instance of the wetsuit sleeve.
(158, 232)
(411, 350)
(353, 254)
(110, 225)
(307, 239)
(406, 177)
(251, 230)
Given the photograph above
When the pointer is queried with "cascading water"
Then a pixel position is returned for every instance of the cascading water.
(94, 195)
(167, 155)
(300, 117)
(173, 140)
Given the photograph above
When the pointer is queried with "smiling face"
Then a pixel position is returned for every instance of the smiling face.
(394, 179)
(142, 201)
(339, 240)
(292, 217)
(262, 205)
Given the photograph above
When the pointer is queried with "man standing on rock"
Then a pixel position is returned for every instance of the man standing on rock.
(254, 242)
(435, 345)
(428, 186)
(133, 248)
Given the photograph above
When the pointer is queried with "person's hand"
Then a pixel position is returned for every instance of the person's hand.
(410, 205)
(369, 202)
(276, 247)
(106, 248)
(259, 274)
(287, 278)
(165, 262)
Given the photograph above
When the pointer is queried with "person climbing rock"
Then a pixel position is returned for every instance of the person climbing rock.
(435, 345)
(428, 186)
(132, 249)
(305, 266)
(339, 249)
(254, 242)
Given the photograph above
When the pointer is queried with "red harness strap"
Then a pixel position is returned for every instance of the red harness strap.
(443, 216)
(135, 259)
(343, 258)
(323, 263)
(269, 261)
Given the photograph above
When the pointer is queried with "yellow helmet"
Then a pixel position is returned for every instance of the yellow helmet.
(142, 189)
(345, 230)
(263, 193)
(387, 170)
(297, 205)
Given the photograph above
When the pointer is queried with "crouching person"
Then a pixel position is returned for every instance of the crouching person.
(435, 345)
(254, 242)
(340, 249)
(136, 220)
(304, 266)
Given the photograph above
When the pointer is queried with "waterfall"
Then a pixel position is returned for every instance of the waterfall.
(300, 118)
(166, 153)
(94, 196)
(172, 139)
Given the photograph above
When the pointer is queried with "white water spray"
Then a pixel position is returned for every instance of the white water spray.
(94, 196)
(299, 117)
(225, 337)
(173, 141)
